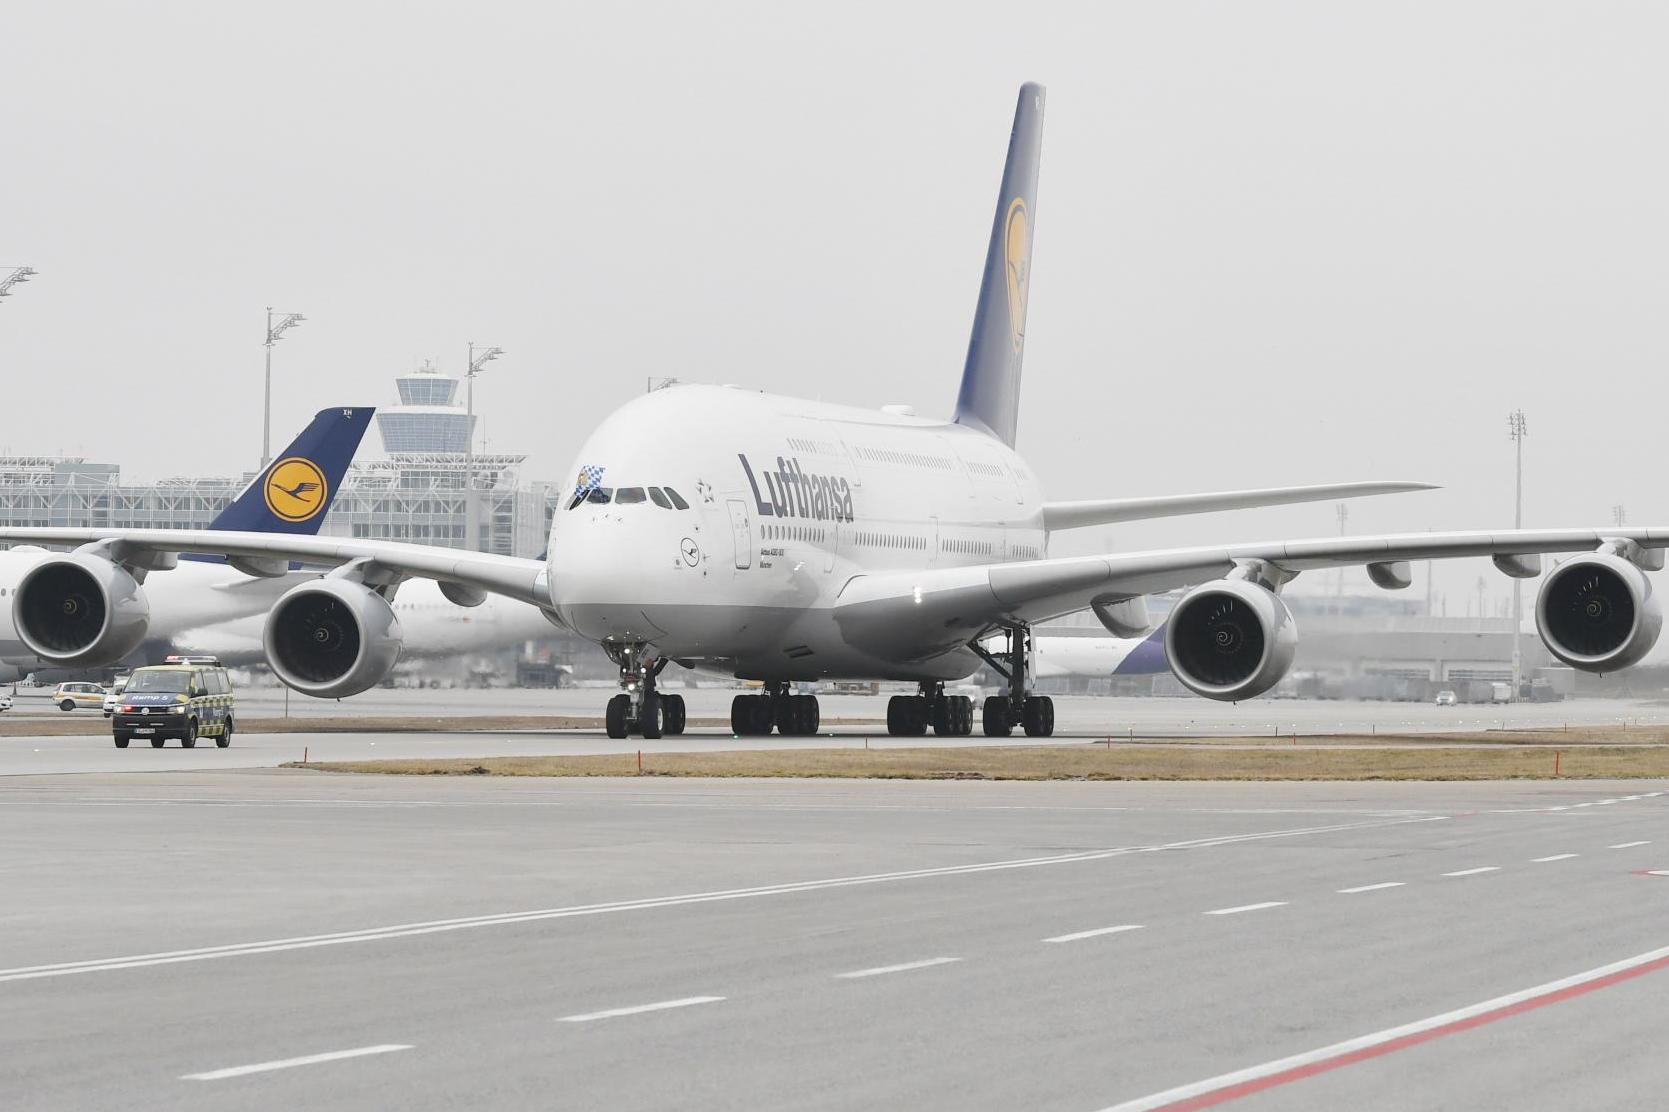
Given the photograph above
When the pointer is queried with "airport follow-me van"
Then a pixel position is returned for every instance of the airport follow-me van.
(187, 698)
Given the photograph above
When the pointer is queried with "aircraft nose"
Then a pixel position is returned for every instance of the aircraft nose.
(596, 576)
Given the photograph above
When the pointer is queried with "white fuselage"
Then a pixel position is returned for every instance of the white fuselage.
(789, 501)
(1094, 657)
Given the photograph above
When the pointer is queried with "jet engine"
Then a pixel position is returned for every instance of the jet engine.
(1230, 640)
(332, 638)
(1598, 613)
(80, 610)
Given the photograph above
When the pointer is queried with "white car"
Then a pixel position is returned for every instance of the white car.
(114, 696)
(5, 702)
(69, 696)
(1445, 698)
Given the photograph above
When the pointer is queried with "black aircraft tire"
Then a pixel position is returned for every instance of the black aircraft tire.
(995, 719)
(1040, 716)
(649, 716)
(614, 717)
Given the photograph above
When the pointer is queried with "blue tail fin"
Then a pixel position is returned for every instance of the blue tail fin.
(294, 493)
(990, 396)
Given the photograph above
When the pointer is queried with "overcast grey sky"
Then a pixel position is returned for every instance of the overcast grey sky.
(1275, 243)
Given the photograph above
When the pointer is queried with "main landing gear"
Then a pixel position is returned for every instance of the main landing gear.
(1001, 713)
(949, 715)
(790, 715)
(640, 708)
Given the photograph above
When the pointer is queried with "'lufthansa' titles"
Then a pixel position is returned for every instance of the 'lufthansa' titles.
(790, 492)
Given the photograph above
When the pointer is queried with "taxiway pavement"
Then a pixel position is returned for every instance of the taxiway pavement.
(261, 939)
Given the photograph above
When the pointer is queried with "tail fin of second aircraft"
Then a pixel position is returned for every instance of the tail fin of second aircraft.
(295, 491)
(990, 395)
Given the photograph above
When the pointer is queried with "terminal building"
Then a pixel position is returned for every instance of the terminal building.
(417, 492)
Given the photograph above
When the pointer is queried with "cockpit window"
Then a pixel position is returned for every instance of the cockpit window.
(600, 495)
(676, 500)
(658, 498)
(629, 496)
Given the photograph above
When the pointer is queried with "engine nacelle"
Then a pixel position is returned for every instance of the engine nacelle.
(1230, 640)
(1598, 613)
(332, 638)
(80, 610)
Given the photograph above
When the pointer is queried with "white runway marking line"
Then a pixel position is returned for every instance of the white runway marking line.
(905, 967)
(1371, 887)
(1268, 1075)
(437, 926)
(1475, 872)
(1553, 857)
(290, 1063)
(1247, 907)
(1096, 933)
(1629, 845)
(664, 1005)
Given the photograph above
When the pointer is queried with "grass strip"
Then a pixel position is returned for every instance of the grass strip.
(1069, 762)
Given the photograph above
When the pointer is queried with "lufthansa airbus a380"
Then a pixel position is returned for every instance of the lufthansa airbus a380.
(782, 540)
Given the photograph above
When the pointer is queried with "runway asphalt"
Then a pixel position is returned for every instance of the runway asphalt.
(268, 939)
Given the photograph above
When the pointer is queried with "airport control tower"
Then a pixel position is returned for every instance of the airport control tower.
(428, 418)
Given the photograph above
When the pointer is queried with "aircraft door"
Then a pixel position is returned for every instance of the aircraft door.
(741, 533)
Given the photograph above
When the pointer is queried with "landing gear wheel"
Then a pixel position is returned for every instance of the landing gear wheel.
(741, 715)
(672, 715)
(763, 715)
(1039, 716)
(995, 717)
(649, 716)
(156, 742)
(225, 737)
(798, 715)
(907, 716)
(964, 718)
(615, 716)
(189, 739)
(121, 741)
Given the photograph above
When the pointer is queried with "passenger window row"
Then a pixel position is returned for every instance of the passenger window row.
(892, 540)
(795, 533)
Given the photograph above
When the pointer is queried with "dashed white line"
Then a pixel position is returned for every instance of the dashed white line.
(1475, 872)
(639, 1009)
(1096, 933)
(1247, 907)
(882, 970)
(436, 926)
(288, 1063)
(1371, 887)
(1629, 845)
(1553, 857)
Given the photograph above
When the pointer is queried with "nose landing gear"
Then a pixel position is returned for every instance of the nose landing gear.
(640, 708)
(1001, 713)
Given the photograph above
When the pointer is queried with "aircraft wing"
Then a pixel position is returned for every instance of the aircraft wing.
(504, 575)
(1108, 511)
(944, 608)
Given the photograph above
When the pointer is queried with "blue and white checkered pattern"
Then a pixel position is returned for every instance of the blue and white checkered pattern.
(591, 477)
